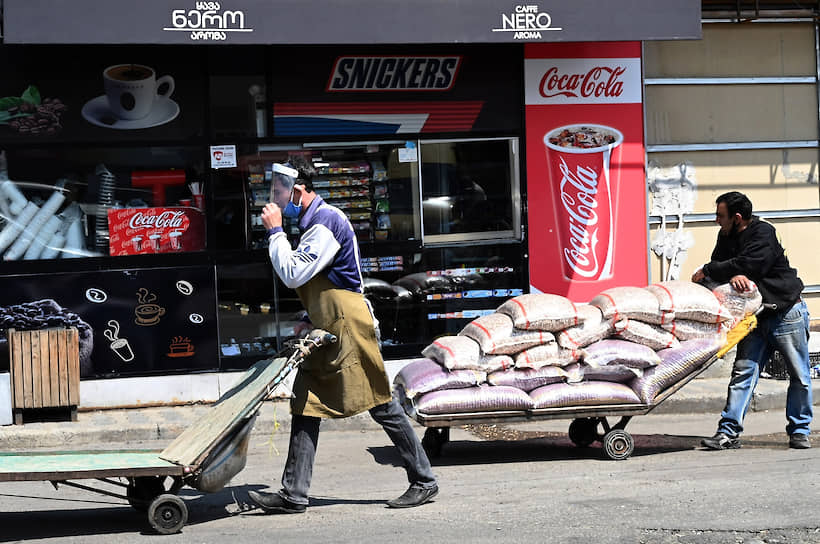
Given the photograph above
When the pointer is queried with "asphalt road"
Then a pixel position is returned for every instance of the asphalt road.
(526, 483)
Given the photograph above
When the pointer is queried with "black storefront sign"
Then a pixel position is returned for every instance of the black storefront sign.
(387, 90)
(130, 322)
(346, 21)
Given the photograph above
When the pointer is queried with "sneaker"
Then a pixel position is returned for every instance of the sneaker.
(721, 442)
(799, 441)
(414, 496)
(274, 503)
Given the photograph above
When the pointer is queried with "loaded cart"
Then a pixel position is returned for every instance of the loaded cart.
(205, 456)
(589, 424)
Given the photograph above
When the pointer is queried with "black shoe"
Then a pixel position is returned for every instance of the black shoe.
(721, 442)
(274, 503)
(414, 496)
(799, 441)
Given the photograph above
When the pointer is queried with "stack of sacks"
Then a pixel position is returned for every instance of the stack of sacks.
(543, 351)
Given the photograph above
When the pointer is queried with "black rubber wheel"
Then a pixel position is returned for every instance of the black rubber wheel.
(618, 444)
(583, 431)
(433, 441)
(167, 514)
(143, 490)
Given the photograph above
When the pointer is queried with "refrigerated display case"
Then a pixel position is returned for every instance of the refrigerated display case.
(438, 225)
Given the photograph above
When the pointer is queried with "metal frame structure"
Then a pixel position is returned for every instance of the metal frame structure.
(760, 17)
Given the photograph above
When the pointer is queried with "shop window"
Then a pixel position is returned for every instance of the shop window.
(237, 92)
(469, 190)
(60, 203)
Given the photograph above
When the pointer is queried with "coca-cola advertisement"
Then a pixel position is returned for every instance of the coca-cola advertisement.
(585, 167)
(135, 231)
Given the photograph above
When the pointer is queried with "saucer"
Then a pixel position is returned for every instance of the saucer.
(96, 112)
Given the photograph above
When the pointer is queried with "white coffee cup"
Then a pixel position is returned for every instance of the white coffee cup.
(132, 89)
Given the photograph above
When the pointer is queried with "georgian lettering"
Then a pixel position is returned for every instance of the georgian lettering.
(601, 81)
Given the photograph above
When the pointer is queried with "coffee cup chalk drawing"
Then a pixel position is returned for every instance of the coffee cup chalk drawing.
(119, 346)
(134, 97)
(147, 311)
(181, 346)
(196, 319)
(185, 287)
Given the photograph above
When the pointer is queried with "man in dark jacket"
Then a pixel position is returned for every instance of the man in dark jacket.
(747, 251)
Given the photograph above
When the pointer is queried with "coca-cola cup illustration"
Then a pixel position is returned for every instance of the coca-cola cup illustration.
(174, 236)
(155, 241)
(578, 162)
(137, 241)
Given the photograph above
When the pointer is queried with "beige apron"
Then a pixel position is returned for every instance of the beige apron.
(348, 377)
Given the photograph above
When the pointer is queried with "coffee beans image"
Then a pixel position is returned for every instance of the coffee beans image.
(41, 119)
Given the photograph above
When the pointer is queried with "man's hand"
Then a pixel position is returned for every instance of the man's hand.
(271, 216)
(302, 328)
(698, 276)
(741, 283)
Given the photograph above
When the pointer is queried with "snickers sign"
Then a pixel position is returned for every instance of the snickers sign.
(392, 73)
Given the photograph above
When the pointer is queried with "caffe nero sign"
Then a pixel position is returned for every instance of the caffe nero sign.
(346, 22)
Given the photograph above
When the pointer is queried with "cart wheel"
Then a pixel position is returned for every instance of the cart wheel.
(144, 489)
(618, 444)
(167, 514)
(583, 431)
(434, 440)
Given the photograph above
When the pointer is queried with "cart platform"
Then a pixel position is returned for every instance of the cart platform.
(583, 430)
(204, 456)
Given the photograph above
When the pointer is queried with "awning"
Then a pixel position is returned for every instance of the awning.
(346, 21)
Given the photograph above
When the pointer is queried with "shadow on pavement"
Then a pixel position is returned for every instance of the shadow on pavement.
(511, 446)
(114, 518)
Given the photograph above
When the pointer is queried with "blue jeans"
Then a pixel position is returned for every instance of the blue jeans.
(787, 332)
(304, 437)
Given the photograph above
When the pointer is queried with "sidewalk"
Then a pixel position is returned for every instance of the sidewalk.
(156, 427)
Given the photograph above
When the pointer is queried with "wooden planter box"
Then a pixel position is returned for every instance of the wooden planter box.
(45, 370)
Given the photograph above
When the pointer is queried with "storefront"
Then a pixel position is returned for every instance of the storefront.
(138, 148)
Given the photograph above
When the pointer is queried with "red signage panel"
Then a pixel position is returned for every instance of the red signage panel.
(585, 167)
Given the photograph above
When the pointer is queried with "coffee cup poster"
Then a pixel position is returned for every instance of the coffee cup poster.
(129, 322)
(585, 173)
(121, 93)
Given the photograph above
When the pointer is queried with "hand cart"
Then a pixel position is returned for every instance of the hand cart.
(205, 456)
(583, 430)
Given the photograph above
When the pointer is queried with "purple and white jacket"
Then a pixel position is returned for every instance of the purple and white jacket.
(328, 243)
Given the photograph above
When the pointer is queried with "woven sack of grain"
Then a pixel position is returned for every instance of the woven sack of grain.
(495, 335)
(454, 352)
(620, 352)
(546, 355)
(484, 398)
(585, 393)
(676, 364)
(738, 304)
(687, 329)
(688, 300)
(645, 333)
(633, 302)
(493, 363)
(609, 373)
(424, 375)
(593, 327)
(541, 311)
(528, 379)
